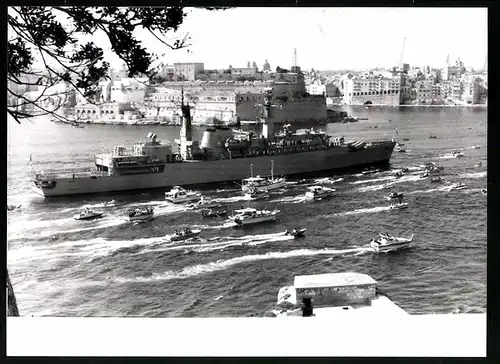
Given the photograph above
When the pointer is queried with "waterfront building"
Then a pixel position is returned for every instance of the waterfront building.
(376, 91)
(123, 112)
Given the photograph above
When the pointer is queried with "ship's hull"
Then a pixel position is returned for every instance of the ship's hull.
(205, 172)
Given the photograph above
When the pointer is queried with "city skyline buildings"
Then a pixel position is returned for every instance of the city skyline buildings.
(325, 38)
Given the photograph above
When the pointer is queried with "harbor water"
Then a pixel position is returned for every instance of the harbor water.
(110, 267)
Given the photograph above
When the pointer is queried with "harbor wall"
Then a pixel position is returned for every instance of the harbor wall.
(333, 296)
(391, 100)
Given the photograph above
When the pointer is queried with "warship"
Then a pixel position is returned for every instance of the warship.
(223, 155)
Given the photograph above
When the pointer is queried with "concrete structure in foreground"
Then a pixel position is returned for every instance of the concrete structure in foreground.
(333, 294)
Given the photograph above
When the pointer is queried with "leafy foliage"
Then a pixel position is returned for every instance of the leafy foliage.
(53, 36)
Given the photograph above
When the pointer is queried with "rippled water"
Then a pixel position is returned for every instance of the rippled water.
(109, 267)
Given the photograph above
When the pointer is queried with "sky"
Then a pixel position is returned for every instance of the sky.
(328, 38)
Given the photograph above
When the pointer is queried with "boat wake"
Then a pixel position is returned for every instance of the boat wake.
(328, 180)
(473, 175)
(373, 180)
(364, 211)
(199, 269)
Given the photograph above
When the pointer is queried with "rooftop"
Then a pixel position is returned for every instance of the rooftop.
(332, 280)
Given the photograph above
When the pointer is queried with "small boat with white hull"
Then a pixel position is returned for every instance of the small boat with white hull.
(250, 215)
(400, 149)
(458, 186)
(296, 233)
(399, 174)
(254, 195)
(206, 203)
(88, 214)
(319, 192)
(141, 214)
(179, 195)
(370, 171)
(399, 206)
(437, 179)
(386, 243)
(184, 234)
(213, 213)
(456, 154)
(424, 175)
(260, 184)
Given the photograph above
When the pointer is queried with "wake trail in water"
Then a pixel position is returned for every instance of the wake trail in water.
(199, 269)
(373, 180)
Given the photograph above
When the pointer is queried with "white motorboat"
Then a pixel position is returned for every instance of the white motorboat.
(254, 195)
(179, 195)
(399, 174)
(370, 171)
(399, 206)
(184, 234)
(386, 243)
(456, 154)
(213, 213)
(250, 215)
(88, 214)
(395, 196)
(424, 175)
(260, 184)
(296, 233)
(141, 214)
(206, 203)
(458, 186)
(319, 192)
(437, 179)
(400, 149)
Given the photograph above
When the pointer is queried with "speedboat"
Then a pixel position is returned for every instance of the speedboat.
(405, 169)
(206, 203)
(436, 179)
(179, 195)
(141, 214)
(399, 174)
(484, 191)
(458, 186)
(432, 136)
(475, 147)
(13, 207)
(260, 184)
(386, 243)
(424, 175)
(296, 233)
(395, 196)
(88, 214)
(435, 168)
(319, 192)
(250, 215)
(399, 206)
(370, 171)
(254, 195)
(184, 234)
(386, 185)
(456, 154)
(406, 139)
(213, 213)
(400, 149)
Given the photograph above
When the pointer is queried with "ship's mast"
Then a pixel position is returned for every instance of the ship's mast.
(251, 170)
(272, 170)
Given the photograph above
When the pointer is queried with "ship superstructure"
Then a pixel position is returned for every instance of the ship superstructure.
(222, 155)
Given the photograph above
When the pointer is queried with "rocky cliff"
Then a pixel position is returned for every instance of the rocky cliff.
(11, 301)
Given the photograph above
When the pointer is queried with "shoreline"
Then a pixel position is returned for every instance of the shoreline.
(484, 106)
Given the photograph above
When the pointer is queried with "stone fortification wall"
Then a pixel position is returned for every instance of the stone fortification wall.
(392, 99)
(337, 296)
(300, 110)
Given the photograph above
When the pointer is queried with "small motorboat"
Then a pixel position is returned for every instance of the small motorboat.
(319, 192)
(400, 149)
(88, 214)
(213, 213)
(386, 243)
(296, 233)
(475, 147)
(386, 185)
(179, 195)
(206, 203)
(436, 179)
(399, 206)
(405, 169)
(399, 174)
(406, 139)
(255, 194)
(458, 186)
(433, 136)
(434, 168)
(370, 171)
(184, 234)
(141, 215)
(424, 175)
(456, 154)
(484, 191)
(479, 164)
(395, 196)
(250, 215)
(13, 207)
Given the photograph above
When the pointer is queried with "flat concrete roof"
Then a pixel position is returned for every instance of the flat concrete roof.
(332, 280)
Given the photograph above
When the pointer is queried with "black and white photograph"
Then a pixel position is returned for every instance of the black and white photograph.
(283, 164)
